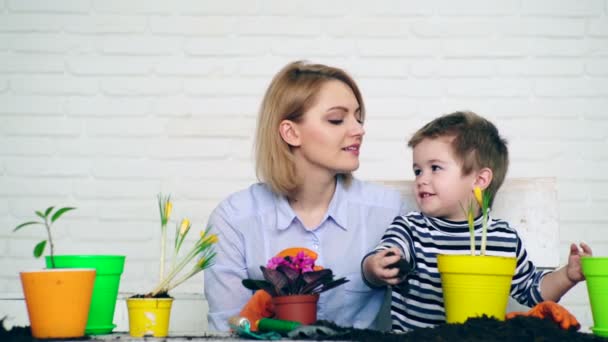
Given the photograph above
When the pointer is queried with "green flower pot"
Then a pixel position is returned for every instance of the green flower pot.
(595, 270)
(105, 290)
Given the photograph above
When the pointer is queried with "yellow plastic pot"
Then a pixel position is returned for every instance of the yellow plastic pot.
(58, 301)
(149, 316)
(475, 285)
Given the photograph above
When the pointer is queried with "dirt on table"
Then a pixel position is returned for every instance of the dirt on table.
(519, 329)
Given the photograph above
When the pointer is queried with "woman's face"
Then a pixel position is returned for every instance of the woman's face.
(331, 131)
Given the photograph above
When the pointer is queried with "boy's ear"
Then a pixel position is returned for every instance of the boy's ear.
(484, 178)
(290, 133)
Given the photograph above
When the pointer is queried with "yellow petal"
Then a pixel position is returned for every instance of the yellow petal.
(211, 239)
(184, 227)
(478, 196)
(168, 208)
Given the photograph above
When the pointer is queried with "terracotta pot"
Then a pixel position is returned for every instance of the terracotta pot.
(297, 308)
(475, 285)
(58, 301)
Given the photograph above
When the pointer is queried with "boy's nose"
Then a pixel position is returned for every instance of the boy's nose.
(422, 180)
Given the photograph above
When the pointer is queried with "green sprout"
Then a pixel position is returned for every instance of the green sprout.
(47, 220)
(483, 201)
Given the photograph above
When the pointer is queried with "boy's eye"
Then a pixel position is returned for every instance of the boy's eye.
(435, 167)
(335, 121)
(417, 172)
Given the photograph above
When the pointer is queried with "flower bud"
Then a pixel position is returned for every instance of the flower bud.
(478, 196)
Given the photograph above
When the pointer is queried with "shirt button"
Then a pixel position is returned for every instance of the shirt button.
(315, 246)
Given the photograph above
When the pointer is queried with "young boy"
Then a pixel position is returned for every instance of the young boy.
(452, 155)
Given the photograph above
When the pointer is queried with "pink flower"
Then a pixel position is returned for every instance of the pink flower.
(275, 262)
(303, 263)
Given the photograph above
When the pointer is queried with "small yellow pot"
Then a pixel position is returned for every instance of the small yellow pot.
(149, 316)
(58, 301)
(475, 285)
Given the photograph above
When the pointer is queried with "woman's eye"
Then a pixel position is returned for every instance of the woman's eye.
(336, 121)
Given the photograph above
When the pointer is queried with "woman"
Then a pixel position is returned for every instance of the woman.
(309, 133)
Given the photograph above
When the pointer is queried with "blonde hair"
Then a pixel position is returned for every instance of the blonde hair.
(290, 94)
(477, 144)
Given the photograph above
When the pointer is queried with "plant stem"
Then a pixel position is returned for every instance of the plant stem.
(48, 231)
(472, 242)
(182, 279)
(163, 239)
(484, 233)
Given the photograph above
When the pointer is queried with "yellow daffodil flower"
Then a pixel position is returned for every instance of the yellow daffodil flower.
(201, 250)
(184, 227)
(211, 239)
(478, 196)
(168, 208)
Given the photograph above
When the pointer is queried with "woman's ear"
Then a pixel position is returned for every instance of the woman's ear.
(289, 133)
(484, 178)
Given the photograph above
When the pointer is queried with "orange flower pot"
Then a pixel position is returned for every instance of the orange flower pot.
(58, 301)
(297, 308)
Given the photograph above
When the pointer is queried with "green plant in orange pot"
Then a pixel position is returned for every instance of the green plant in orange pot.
(149, 313)
(107, 278)
(57, 299)
(491, 274)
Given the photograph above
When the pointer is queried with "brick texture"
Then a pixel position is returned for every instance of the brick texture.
(105, 103)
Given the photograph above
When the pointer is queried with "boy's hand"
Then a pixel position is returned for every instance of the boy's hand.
(574, 270)
(379, 268)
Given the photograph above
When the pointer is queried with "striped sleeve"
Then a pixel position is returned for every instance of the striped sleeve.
(399, 235)
(525, 287)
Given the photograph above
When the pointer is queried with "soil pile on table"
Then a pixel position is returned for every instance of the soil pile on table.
(518, 329)
(15, 334)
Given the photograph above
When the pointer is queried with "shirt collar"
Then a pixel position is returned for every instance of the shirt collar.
(337, 209)
(285, 214)
(455, 226)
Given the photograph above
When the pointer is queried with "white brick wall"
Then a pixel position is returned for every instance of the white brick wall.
(105, 103)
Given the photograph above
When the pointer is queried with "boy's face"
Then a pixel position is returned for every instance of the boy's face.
(440, 186)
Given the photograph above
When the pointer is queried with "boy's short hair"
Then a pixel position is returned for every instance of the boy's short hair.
(291, 93)
(477, 144)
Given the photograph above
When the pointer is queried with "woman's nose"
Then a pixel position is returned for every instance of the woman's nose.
(357, 129)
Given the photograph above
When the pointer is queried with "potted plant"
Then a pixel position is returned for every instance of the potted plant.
(474, 285)
(149, 313)
(294, 283)
(57, 300)
(107, 278)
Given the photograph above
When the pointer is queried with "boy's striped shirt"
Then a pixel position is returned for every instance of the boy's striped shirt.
(418, 301)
